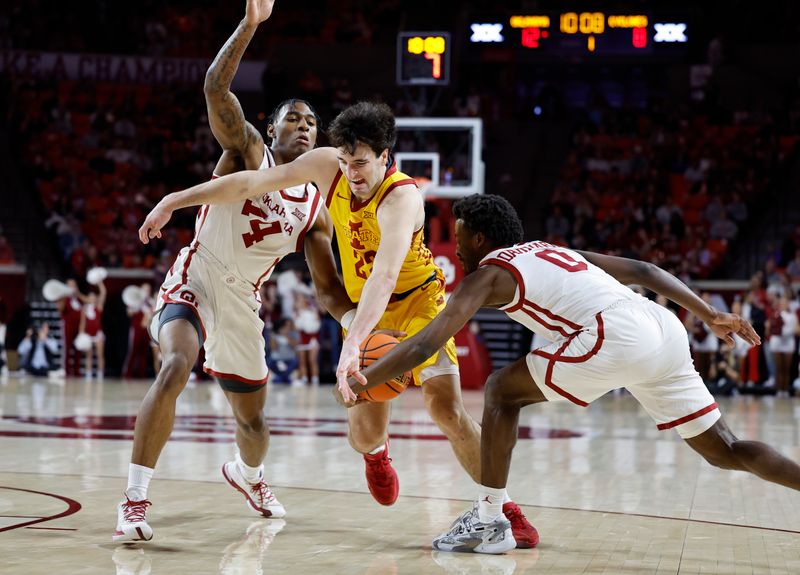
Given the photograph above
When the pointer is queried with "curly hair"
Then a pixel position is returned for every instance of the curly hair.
(371, 123)
(491, 215)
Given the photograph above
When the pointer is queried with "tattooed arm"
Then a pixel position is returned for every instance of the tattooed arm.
(225, 114)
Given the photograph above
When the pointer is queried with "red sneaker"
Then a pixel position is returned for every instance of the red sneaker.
(381, 477)
(524, 533)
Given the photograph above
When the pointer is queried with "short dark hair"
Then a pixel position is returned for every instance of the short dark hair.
(491, 215)
(371, 123)
(273, 117)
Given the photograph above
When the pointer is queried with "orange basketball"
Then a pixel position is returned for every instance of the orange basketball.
(373, 348)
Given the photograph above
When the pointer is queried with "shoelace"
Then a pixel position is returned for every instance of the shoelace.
(463, 523)
(513, 513)
(262, 491)
(135, 510)
(378, 464)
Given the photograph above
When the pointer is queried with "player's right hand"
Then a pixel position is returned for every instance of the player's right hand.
(155, 220)
(348, 366)
(725, 325)
(257, 11)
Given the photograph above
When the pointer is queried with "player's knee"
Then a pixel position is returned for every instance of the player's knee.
(723, 458)
(175, 370)
(364, 436)
(494, 393)
(449, 415)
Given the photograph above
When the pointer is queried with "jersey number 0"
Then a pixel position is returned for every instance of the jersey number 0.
(562, 260)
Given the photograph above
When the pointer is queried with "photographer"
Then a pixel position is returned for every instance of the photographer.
(37, 351)
(723, 375)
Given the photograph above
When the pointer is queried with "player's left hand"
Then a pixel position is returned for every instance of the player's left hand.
(726, 325)
(155, 220)
(349, 365)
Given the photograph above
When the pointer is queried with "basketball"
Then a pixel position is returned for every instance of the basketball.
(373, 348)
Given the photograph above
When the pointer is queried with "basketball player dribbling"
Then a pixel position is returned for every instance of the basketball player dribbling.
(378, 214)
(604, 336)
(210, 296)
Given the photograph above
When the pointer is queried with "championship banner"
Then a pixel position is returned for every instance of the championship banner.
(116, 69)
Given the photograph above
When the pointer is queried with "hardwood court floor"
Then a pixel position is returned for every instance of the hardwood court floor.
(607, 491)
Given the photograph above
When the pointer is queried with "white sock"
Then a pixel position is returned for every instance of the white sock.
(378, 449)
(490, 503)
(139, 478)
(506, 498)
(251, 474)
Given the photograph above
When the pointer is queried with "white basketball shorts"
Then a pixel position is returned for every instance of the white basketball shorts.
(640, 346)
(227, 307)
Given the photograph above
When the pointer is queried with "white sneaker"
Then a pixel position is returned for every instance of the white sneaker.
(132, 521)
(469, 534)
(258, 495)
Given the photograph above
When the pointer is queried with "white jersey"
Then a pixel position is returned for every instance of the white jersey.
(235, 248)
(603, 336)
(558, 291)
(250, 237)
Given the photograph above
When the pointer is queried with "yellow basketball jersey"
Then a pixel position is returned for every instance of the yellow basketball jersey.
(358, 236)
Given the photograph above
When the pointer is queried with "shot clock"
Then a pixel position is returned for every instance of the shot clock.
(423, 58)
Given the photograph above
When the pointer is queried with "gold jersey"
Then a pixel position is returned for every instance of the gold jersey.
(358, 236)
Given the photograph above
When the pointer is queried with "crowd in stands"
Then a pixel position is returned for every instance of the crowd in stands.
(676, 187)
(297, 330)
(102, 156)
(670, 188)
(772, 304)
(186, 29)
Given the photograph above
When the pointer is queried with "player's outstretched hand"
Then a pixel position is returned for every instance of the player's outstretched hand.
(155, 220)
(725, 325)
(257, 11)
(348, 365)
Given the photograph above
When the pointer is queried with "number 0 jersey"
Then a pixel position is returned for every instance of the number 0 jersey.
(358, 236)
(250, 237)
(558, 290)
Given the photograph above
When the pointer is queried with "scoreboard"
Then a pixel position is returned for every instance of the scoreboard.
(423, 58)
(582, 33)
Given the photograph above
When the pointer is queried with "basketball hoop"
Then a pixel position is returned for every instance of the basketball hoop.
(434, 147)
